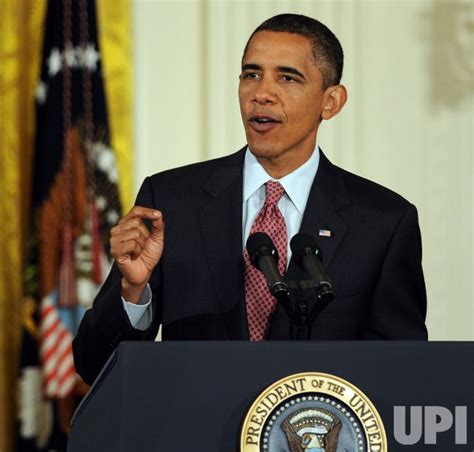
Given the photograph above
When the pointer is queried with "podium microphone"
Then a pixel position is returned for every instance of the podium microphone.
(264, 257)
(308, 256)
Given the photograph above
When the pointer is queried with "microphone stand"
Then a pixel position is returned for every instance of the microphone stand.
(303, 301)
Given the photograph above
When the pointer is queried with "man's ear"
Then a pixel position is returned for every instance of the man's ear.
(335, 98)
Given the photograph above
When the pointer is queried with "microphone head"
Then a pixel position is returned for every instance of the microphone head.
(303, 244)
(260, 244)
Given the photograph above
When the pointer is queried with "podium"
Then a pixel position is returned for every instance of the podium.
(195, 396)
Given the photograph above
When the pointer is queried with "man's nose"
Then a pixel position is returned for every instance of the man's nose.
(265, 92)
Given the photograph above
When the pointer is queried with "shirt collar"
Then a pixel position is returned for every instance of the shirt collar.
(297, 184)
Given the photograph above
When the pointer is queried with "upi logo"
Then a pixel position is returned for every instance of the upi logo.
(430, 420)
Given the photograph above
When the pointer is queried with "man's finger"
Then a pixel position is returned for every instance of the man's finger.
(141, 212)
(125, 250)
(158, 229)
(133, 234)
(131, 224)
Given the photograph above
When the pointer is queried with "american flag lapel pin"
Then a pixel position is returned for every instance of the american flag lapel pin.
(325, 233)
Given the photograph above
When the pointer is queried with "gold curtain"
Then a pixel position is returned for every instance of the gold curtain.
(21, 37)
(115, 35)
(21, 34)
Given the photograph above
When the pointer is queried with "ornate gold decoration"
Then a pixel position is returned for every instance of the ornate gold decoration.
(297, 405)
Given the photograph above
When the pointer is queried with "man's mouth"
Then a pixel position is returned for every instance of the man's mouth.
(262, 123)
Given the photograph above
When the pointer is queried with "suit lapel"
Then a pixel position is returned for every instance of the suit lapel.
(327, 196)
(221, 229)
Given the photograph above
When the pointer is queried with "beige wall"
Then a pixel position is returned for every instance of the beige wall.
(407, 125)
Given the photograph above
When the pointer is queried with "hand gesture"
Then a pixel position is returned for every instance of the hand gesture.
(137, 250)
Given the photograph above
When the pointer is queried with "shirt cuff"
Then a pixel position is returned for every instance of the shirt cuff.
(140, 314)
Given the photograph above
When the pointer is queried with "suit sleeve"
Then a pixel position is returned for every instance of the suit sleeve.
(106, 324)
(398, 306)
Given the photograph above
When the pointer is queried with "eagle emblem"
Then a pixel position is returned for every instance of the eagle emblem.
(312, 430)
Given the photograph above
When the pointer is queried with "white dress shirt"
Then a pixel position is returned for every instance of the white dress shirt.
(297, 186)
(292, 204)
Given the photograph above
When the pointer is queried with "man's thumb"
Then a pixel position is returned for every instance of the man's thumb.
(157, 230)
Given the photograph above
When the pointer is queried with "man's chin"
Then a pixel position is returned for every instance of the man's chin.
(263, 151)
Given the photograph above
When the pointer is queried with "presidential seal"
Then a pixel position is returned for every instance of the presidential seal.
(312, 412)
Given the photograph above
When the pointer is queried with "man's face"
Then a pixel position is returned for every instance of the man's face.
(281, 99)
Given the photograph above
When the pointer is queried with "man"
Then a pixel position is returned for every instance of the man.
(196, 280)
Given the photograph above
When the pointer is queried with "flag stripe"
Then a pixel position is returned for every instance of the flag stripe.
(57, 347)
(56, 352)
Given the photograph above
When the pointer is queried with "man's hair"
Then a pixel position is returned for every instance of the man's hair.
(327, 51)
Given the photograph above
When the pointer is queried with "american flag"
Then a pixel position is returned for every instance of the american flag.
(59, 376)
(325, 233)
(75, 201)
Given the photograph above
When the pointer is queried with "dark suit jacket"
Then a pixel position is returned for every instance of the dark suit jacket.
(373, 259)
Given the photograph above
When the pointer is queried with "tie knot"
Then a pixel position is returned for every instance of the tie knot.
(274, 192)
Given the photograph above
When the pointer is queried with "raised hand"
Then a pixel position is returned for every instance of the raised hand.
(137, 250)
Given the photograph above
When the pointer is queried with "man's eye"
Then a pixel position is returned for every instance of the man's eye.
(288, 78)
(250, 75)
